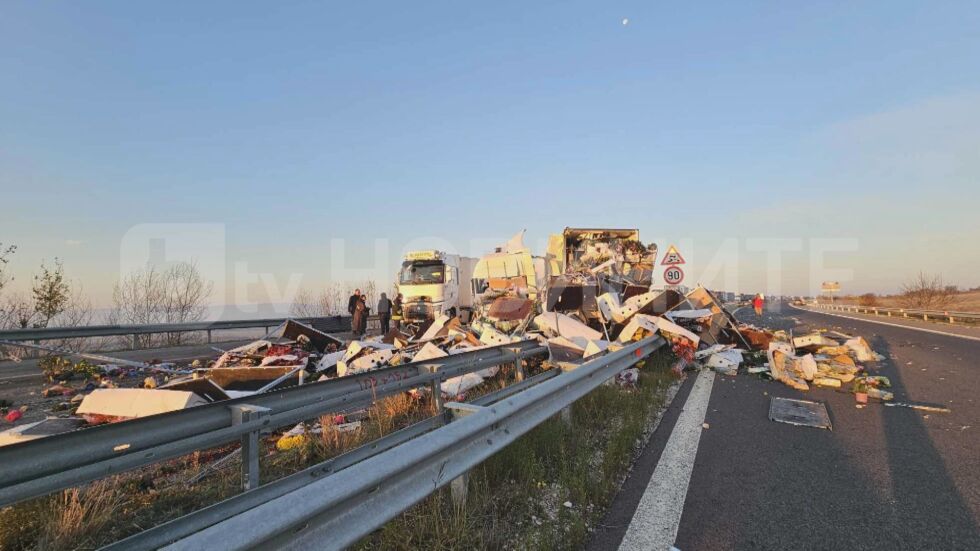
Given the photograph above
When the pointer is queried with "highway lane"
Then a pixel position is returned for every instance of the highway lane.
(884, 478)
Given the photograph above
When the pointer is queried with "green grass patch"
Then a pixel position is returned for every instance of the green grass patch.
(516, 499)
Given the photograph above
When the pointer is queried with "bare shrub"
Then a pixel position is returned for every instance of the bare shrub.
(868, 299)
(175, 295)
(331, 300)
(5, 253)
(306, 305)
(926, 291)
(19, 311)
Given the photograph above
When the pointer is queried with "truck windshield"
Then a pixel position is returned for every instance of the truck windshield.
(421, 273)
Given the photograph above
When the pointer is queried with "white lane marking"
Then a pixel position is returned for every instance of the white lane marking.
(658, 515)
(936, 331)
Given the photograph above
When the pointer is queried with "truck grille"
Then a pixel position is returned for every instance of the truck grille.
(418, 311)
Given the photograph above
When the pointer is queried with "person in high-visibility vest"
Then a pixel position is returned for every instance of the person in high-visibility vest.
(757, 303)
(396, 311)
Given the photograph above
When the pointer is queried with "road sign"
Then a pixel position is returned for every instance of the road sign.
(672, 257)
(673, 275)
(830, 287)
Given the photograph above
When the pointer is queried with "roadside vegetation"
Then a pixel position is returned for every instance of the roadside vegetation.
(548, 489)
(923, 291)
(517, 499)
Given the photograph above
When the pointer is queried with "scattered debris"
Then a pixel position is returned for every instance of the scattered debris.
(920, 407)
(803, 413)
(40, 429)
(119, 404)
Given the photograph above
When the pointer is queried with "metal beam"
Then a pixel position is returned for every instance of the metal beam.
(45, 465)
(336, 511)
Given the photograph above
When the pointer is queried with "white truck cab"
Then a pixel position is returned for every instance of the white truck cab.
(432, 283)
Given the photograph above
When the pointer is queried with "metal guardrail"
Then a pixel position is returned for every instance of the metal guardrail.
(327, 324)
(336, 510)
(927, 315)
(38, 467)
(184, 526)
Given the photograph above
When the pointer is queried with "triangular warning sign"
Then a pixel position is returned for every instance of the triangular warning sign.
(672, 257)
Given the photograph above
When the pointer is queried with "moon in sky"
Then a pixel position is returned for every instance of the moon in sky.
(626, 21)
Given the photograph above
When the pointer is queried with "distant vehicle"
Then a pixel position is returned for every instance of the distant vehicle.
(434, 282)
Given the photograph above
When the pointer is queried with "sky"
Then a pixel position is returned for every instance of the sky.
(286, 145)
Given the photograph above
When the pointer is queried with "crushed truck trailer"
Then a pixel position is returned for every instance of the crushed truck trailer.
(585, 263)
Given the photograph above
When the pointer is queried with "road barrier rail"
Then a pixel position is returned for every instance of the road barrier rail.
(335, 503)
(329, 324)
(45, 465)
(927, 315)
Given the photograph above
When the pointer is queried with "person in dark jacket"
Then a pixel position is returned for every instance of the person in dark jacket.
(352, 301)
(358, 316)
(384, 313)
(396, 311)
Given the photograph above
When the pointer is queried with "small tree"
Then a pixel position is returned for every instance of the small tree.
(176, 295)
(926, 291)
(51, 293)
(186, 293)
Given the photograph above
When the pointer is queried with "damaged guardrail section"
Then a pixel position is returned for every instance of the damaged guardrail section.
(335, 511)
(49, 464)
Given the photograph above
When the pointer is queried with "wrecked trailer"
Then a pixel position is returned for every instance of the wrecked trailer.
(586, 263)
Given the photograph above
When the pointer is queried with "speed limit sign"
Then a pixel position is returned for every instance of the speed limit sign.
(673, 275)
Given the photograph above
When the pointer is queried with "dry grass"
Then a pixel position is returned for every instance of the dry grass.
(967, 301)
(80, 515)
(72, 519)
(515, 499)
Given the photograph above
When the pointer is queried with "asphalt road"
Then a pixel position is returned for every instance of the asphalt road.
(884, 478)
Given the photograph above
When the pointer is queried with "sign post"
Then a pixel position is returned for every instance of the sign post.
(673, 274)
(829, 287)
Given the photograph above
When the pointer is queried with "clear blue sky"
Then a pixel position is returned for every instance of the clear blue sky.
(294, 123)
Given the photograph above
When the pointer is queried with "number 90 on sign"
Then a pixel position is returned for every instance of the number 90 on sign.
(673, 275)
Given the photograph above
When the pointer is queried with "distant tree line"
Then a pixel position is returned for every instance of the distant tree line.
(175, 294)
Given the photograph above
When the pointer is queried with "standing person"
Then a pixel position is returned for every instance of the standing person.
(359, 316)
(365, 312)
(384, 313)
(352, 301)
(757, 303)
(396, 311)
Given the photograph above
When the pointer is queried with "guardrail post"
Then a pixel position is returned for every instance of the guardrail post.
(566, 412)
(460, 485)
(436, 385)
(925, 317)
(241, 414)
(951, 319)
(518, 365)
(135, 343)
(209, 336)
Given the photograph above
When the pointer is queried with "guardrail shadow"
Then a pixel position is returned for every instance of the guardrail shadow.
(925, 493)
